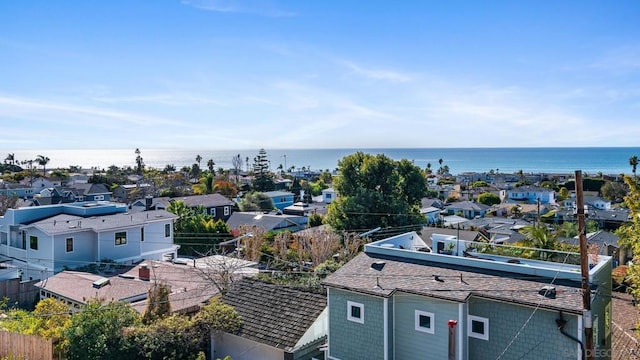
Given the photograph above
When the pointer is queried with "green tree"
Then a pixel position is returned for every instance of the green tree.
(633, 161)
(489, 198)
(179, 208)
(613, 191)
(43, 161)
(256, 201)
(376, 191)
(206, 184)
(198, 159)
(315, 219)
(263, 180)
(629, 232)
(540, 237)
(139, 162)
(158, 305)
(210, 165)
(563, 194)
(98, 332)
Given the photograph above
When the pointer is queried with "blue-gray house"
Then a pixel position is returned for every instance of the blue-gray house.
(400, 299)
(43, 240)
(281, 199)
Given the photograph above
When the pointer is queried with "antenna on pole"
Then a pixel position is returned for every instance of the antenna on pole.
(584, 268)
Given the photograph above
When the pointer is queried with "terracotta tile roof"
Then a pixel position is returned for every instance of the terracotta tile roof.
(275, 315)
(456, 283)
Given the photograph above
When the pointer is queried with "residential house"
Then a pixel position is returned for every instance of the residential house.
(305, 209)
(267, 222)
(530, 195)
(467, 209)
(16, 189)
(398, 300)
(280, 199)
(328, 195)
(432, 214)
(44, 240)
(595, 202)
(189, 287)
(79, 192)
(278, 323)
(122, 193)
(216, 205)
(43, 183)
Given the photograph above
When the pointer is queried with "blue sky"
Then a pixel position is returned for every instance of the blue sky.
(207, 74)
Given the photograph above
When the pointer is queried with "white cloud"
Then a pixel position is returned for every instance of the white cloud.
(377, 74)
(255, 7)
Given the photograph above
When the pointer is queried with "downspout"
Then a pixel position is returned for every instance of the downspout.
(561, 323)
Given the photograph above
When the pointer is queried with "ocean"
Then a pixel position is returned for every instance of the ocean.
(608, 160)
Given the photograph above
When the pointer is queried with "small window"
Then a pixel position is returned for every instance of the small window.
(121, 238)
(33, 242)
(212, 211)
(226, 211)
(98, 197)
(69, 245)
(167, 230)
(355, 312)
(141, 234)
(478, 327)
(424, 321)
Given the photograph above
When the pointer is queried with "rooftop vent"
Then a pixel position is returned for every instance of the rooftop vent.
(548, 291)
(378, 265)
(100, 283)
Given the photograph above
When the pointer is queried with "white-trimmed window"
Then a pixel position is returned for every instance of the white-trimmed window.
(226, 211)
(167, 230)
(98, 197)
(68, 244)
(355, 312)
(425, 321)
(478, 327)
(121, 238)
(212, 212)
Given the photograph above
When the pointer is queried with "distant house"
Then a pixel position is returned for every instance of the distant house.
(467, 209)
(44, 240)
(530, 195)
(122, 192)
(280, 199)
(16, 189)
(304, 209)
(80, 192)
(278, 323)
(432, 214)
(216, 205)
(593, 201)
(328, 195)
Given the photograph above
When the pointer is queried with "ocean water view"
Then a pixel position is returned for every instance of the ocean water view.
(608, 160)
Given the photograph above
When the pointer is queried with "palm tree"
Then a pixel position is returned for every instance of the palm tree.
(540, 237)
(633, 161)
(198, 159)
(42, 161)
(11, 158)
(210, 164)
(139, 162)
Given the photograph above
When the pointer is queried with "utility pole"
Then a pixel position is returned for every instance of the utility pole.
(584, 268)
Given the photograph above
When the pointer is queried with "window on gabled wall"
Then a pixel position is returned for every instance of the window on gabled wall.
(478, 327)
(167, 230)
(355, 312)
(33, 242)
(424, 321)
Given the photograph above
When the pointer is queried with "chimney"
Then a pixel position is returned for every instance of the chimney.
(144, 273)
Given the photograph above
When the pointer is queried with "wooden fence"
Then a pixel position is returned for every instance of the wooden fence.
(20, 293)
(29, 347)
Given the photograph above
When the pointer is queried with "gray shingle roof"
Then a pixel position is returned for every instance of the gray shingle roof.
(208, 201)
(273, 314)
(418, 278)
(64, 223)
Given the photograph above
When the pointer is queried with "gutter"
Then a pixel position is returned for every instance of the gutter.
(561, 323)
